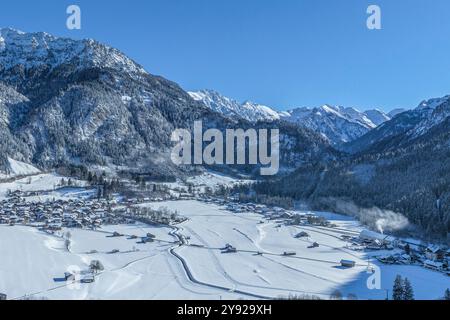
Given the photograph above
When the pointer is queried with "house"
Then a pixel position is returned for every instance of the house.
(314, 245)
(434, 253)
(368, 236)
(87, 278)
(302, 234)
(69, 276)
(146, 239)
(433, 265)
(289, 253)
(348, 263)
(3, 296)
(229, 249)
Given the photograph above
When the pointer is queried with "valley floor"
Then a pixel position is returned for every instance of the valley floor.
(33, 263)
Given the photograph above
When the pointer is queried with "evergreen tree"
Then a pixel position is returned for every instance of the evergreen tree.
(447, 294)
(408, 292)
(398, 290)
(407, 249)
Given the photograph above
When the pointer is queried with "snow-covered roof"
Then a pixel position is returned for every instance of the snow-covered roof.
(367, 234)
(434, 248)
(433, 263)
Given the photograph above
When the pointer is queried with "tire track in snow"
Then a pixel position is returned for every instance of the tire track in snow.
(219, 265)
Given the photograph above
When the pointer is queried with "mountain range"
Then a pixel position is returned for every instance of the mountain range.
(401, 167)
(335, 123)
(68, 103)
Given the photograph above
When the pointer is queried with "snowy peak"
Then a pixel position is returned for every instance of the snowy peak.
(38, 50)
(335, 123)
(231, 108)
(338, 124)
(369, 119)
(433, 103)
(430, 117)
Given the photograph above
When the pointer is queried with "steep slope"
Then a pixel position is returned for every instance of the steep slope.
(403, 128)
(400, 166)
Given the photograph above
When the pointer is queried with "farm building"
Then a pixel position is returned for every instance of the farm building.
(88, 278)
(433, 265)
(371, 236)
(348, 263)
(434, 253)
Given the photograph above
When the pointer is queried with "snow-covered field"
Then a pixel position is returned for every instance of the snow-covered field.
(209, 179)
(46, 182)
(33, 262)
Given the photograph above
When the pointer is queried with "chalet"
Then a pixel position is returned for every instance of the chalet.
(348, 263)
(434, 253)
(146, 239)
(289, 253)
(387, 259)
(405, 259)
(229, 249)
(302, 234)
(371, 237)
(87, 278)
(433, 265)
(314, 245)
(69, 276)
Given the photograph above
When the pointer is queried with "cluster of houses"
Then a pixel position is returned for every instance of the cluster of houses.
(232, 204)
(434, 257)
(57, 214)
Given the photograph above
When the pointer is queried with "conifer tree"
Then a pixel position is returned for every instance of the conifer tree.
(408, 292)
(398, 290)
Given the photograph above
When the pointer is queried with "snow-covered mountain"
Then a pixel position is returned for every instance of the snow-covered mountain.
(249, 111)
(69, 102)
(395, 112)
(405, 127)
(337, 124)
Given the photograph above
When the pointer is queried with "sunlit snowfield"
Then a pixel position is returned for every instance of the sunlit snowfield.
(33, 263)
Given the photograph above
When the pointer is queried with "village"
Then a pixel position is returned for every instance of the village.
(385, 248)
(59, 216)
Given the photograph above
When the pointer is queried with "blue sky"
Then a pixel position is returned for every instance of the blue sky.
(281, 53)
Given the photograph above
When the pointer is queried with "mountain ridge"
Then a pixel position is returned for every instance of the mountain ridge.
(335, 123)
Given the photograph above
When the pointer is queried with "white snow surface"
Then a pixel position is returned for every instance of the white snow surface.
(33, 262)
(47, 182)
(18, 168)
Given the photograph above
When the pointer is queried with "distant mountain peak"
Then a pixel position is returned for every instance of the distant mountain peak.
(40, 49)
(231, 108)
(433, 103)
(336, 123)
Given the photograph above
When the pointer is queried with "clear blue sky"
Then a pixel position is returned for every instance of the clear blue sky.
(281, 53)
